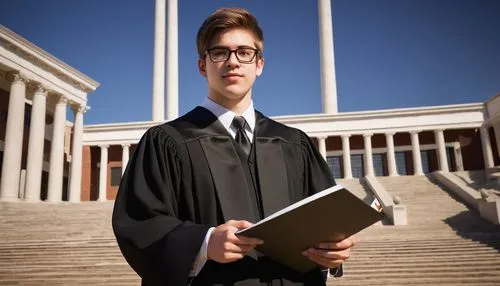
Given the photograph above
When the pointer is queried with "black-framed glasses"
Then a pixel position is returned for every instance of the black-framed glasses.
(243, 55)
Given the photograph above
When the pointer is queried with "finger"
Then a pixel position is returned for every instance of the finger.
(330, 254)
(231, 247)
(240, 224)
(326, 263)
(248, 240)
(230, 229)
(241, 239)
(329, 263)
(344, 244)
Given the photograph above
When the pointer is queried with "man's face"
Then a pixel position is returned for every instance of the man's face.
(231, 80)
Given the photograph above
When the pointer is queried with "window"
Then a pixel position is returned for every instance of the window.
(450, 157)
(401, 163)
(378, 164)
(116, 176)
(27, 115)
(357, 166)
(334, 165)
(424, 155)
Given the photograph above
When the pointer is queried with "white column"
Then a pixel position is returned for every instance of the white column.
(346, 156)
(441, 148)
(368, 155)
(459, 162)
(103, 173)
(35, 146)
(75, 183)
(125, 156)
(172, 62)
(486, 144)
(496, 131)
(322, 146)
(159, 62)
(56, 166)
(391, 156)
(327, 58)
(13, 145)
(417, 159)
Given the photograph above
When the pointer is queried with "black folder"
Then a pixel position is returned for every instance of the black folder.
(330, 215)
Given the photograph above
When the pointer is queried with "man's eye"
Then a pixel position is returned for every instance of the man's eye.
(219, 53)
(244, 53)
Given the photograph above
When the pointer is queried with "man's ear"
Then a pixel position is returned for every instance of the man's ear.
(202, 67)
(260, 66)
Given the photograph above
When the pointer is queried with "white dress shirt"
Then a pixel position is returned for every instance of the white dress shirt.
(226, 117)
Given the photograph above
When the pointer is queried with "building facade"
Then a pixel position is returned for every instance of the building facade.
(409, 141)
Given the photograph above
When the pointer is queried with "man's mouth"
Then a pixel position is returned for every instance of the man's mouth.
(231, 75)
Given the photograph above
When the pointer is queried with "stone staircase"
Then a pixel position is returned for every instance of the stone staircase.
(60, 244)
(444, 243)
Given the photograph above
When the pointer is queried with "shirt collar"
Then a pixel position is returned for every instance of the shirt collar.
(226, 116)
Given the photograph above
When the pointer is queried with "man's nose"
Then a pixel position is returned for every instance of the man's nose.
(232, 60)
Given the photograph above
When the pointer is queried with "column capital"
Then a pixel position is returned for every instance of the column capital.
(126, 145)
(345, 135)
(78, 108)
(41, 89)
(62, 100)
(367, 135)
(484, 127)
(104, 146)
(438, 130)
(322, 137)
(415, 132)
(20, 78)
(390, 133)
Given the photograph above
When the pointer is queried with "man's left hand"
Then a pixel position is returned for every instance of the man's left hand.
(331, 254)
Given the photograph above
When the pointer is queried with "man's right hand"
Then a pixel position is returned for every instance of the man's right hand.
(224, 246)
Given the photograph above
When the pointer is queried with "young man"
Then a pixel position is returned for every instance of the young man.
(193, 182)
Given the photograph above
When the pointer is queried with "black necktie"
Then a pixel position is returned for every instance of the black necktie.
(241, 138)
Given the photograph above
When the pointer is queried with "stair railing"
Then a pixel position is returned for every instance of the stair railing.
(391, 206)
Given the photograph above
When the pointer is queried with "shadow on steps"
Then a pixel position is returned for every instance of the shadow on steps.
(469, 225)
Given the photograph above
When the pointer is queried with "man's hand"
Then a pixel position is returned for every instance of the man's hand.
(224, 246)
(331, 254)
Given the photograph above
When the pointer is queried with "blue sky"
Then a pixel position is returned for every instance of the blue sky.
(389, 53)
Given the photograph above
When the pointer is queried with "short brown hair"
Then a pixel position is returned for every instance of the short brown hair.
(224, 19)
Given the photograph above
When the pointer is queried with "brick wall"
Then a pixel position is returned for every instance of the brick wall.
(91, 156)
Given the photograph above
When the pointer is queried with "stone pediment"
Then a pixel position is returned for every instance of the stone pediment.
(29, 52)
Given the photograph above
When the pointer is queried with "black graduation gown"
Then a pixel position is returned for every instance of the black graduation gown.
(185, 177)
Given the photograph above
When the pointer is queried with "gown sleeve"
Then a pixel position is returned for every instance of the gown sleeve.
(156, 243)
